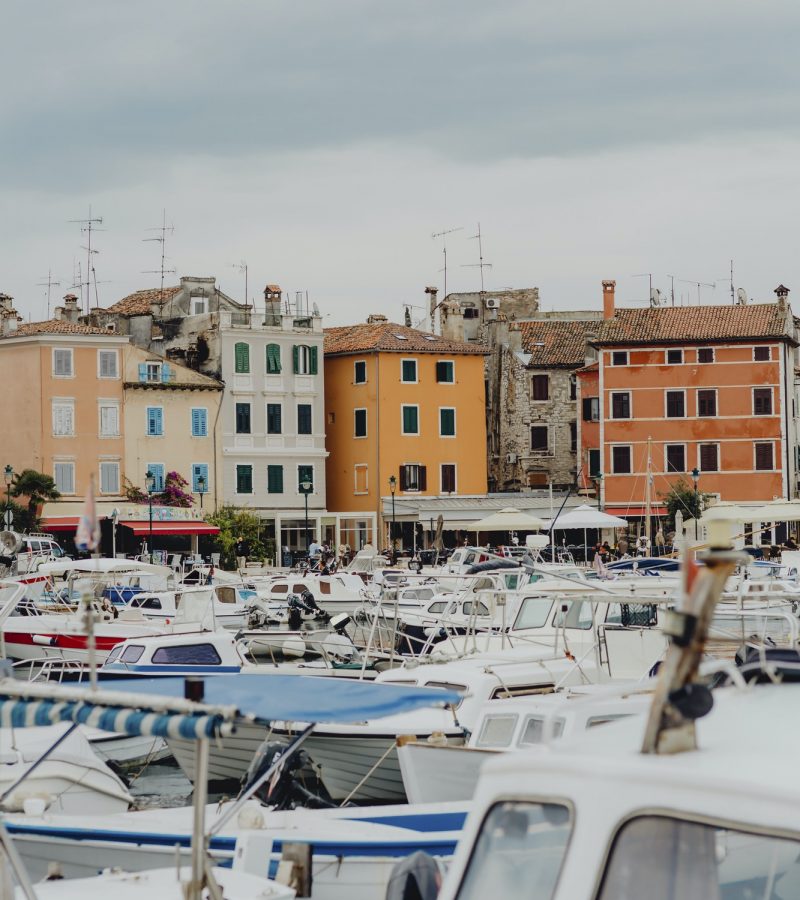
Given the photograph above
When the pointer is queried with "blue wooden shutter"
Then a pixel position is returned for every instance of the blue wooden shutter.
(199, 470)
(158, 475)
(166, 372)
(142, 371)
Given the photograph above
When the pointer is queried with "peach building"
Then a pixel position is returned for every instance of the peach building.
(701, 393)
(405, 404)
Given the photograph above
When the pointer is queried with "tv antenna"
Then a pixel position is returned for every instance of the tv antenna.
(49, 284)
(242, 267)
(650, 276)
(699, 284)
(442, 235)
(671, 289)
(480, 264)
(161, 238)
(87, 227)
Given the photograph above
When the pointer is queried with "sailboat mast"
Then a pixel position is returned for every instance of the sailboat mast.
(647, 493)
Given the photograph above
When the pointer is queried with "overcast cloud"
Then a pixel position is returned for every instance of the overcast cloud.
(324, 142)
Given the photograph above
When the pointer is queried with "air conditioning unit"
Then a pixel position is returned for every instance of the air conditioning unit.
(492, 303)
(511, 458)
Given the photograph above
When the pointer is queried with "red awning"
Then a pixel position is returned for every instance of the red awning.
(140, 527)
(60, 523)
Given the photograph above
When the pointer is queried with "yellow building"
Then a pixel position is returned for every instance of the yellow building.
(171, 414)
(404, 404)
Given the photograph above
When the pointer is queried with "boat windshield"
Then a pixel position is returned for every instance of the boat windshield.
(518, 853)
(533, 612)
(679, 860)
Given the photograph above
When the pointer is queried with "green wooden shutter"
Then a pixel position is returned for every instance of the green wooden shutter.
(312, 360)
(296, 359)
(242, 358)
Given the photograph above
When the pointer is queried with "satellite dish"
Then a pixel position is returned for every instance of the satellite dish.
(10, 542)
(656, 297)
(741, 296)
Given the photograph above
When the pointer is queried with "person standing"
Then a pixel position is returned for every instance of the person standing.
(241, 553)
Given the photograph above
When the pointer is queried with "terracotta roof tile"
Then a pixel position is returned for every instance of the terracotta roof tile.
(391, 338)
(694, 324)
(554, 344)
(139, 303)
(56, 326)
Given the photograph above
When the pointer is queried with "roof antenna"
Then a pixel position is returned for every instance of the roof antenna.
(87, 226)
(671, 289)
(480, 264)
(442, 235)
(50, 284)
(650, 276)
(161, 238)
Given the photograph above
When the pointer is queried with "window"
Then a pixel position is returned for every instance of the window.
(274, 479)
(109, 477)
(674, 357)
(705, 355)
(274, 414)
(762, 401)
(360, 423)
(63, 418)
(199, 305)
(676, 404)
(62, 363)
(677, 859)
(591, 409)
(445, 371)
(241, 358)
(305, 473)
(64, 477)
(107, 364)
(620, 405)
(764, 457)
(706, 403)
(132, 653)
(761, 354)
(519, 853)
(157, 471)
(541, 388)
(675, 458)
(273, 359)
(709, 457)
(619, 358)
(410, 419)
(413, 478)
(155, 372)
(448, 479)
(244, 479)
(199, 422)
(497, 731)
(360, 479)
(594, 463)
(304, 418)
(573, 387)
(187, 654)
(109, 420)
(573, 437)
(447, 422)
(304, 360)
(540, 438)
(471, 312)
(200, 470)
(408, 370)
(243, 418)
(155, 421)
(360, 371)
(621, 460)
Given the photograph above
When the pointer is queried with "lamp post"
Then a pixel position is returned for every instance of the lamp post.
(598, 481)
(696, 479)
(393, 488)
(8, 474)
(305, 488)
(201, 488)
(150, 484)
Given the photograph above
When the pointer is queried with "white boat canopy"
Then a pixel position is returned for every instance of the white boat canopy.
(508, 519)
(585, 517)
(101, 566)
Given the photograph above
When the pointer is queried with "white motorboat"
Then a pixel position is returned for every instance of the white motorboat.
(71, 780)
(230, 603)
(339, 593)
(124, 751)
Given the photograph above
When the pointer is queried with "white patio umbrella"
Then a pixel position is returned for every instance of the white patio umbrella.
(585, 517)
(508, 519)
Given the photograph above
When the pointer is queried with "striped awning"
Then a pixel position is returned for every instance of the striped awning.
(19, 713)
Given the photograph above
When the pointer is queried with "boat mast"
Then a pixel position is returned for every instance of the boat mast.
(647, 495)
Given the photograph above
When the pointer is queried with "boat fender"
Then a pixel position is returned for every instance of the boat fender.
(294, 648)
(44, 641)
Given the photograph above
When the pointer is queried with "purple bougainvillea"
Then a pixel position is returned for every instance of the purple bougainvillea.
(172, 495)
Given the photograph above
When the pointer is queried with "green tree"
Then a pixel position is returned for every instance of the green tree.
(21, 519)
(37, 487)
(233, 523)
(682, 496)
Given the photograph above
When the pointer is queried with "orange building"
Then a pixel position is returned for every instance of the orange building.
(405, 404)
(700, 392)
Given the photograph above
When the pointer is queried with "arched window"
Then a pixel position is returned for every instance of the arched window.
(241, 358)
(304, 359)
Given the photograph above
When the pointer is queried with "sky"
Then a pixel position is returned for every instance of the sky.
(324, 143)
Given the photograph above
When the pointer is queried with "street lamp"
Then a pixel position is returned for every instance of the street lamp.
(305, 489)
(8, 474)
(150, 484)
(598, 481)
(201, 488)
(696, 479)
(393, 488)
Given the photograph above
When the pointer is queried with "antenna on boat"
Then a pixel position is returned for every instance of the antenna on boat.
(87, 228)
(49, 284)
(161, 238)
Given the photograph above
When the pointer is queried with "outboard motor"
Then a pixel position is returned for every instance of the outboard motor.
(283, 790)
(417, 877)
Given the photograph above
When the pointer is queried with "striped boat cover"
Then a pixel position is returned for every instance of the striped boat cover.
(25, 713)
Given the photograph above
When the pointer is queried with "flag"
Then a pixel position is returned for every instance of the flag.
(87, 537)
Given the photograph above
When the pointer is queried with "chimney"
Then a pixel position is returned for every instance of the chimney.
(514, 337)
(590, 353)
(452, 319)
(433, 293)
(608, 299)
(783, 297)
(70, 311)
(376, 319)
